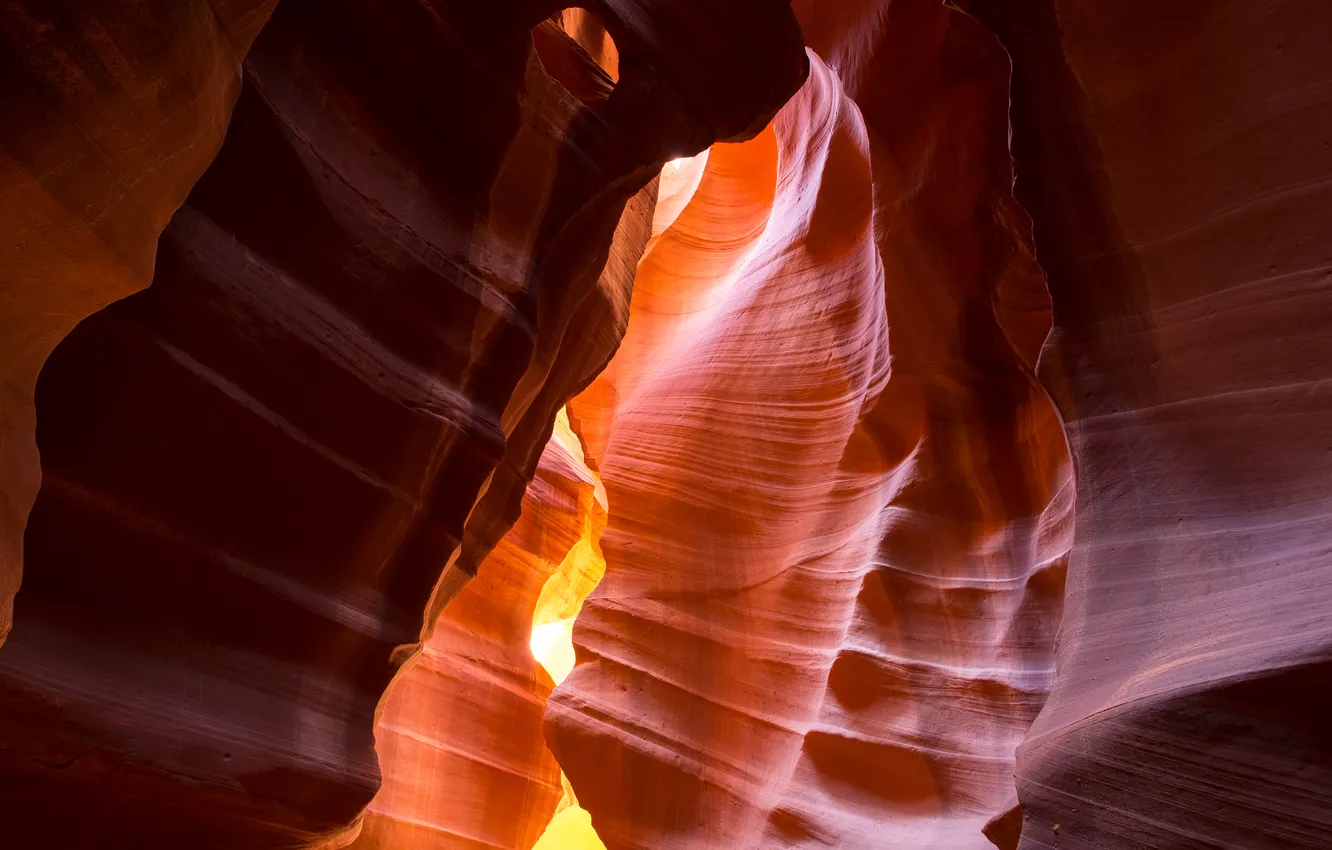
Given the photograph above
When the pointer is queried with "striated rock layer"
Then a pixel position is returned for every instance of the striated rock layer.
(459, 737)
(839, 501)
(111, 111)
(837, 508)
(1175, 161)
(361, 326)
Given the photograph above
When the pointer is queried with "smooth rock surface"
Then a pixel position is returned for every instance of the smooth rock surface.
(361, 327)
(835, 507)
(111, 111)
(839, 501)
(459, 737)
(1175, 159)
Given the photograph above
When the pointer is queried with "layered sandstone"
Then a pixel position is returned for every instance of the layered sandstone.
(834, 507)
(111, 111)
(362, 324)
(459, 737)
(839, 501)
(1175, 161)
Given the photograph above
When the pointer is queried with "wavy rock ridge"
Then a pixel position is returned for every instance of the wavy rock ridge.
(836, 541)
(360, 330)
(112, 111)
(1175, 166)
(459, 737)
(834, 505)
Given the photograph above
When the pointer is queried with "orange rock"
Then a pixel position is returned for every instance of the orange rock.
(459, 736)
(833, 505)
(265, 475)
(112, 111)
(1175, 162)
(836, 534)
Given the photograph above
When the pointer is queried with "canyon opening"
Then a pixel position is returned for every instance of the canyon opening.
(440, 425)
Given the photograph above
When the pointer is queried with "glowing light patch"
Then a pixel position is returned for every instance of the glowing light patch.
(679, 180)
(552, 647)
(570, 829)
(552, 632)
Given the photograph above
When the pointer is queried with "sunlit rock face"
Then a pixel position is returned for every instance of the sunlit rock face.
(830, 505)
(111, 111)
(459, 737)
(589, 32)
(414, 246)
(839, 500)
(1175, 161)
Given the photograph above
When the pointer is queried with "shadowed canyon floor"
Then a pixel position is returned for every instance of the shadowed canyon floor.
(436, 425)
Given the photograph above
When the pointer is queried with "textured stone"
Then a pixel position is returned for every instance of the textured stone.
(834, 505)
(111, 111)
(362, 324)
(839, 501)
(459, 737)
(1175, 161)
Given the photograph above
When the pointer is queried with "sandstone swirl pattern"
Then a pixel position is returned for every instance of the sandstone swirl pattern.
(459, 737)
(835, 507)
(111, 111)
(1176, 160)
(264, 475)
(836, 536)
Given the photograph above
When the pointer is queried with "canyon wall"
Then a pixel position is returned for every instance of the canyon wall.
(1175, 160)
(111, 111)
(459, 737)
(835, 506)
(362, 323)
(839, 502)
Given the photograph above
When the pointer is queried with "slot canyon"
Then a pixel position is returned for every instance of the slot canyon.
(665, 424)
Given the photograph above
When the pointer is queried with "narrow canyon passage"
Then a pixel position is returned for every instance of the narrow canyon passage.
(785, 651)
(782, 653)
(459, 736)
(665, 425)
(266, 475)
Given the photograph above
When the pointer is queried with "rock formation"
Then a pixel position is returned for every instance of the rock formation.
(459, 737)
(361, 326)
(112, 110)
(1175, 163)
(949, 422)
(839, 501)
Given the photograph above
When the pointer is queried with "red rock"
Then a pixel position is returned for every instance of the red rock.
(838, 504)
(361, 326)
(111, 111)
(459, 737)
(1174, 159)
(1004, 830)
(836, 536)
